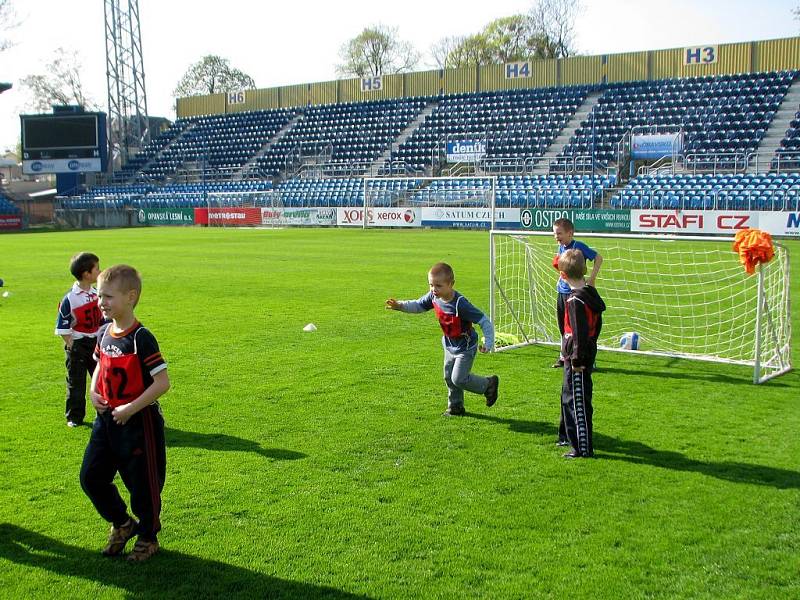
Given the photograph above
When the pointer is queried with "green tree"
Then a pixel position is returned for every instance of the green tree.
(212, 75)
(546, 31)
(377, 50)
(60, 85)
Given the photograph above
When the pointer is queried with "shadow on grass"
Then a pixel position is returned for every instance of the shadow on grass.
(694, 375)
(167, 575)
(607, 447)
(177, 438)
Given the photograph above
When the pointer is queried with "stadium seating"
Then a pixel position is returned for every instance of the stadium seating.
(229, 193)
(724, 115)
(772, 191)
(552, 191)
(788, 155)
(721, 114)
(7, 207)
(353, 134)
(513, 123)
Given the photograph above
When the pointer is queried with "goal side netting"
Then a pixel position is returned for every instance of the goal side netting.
(685, 298)
(244, 209)
(417, 193)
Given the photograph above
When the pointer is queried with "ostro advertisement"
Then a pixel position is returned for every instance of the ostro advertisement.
(298, 216)
(584, 219)
(379, 217)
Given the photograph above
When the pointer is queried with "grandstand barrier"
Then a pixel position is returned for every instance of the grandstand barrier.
(10, 222)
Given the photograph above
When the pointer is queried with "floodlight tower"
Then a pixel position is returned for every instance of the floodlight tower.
(128, 125)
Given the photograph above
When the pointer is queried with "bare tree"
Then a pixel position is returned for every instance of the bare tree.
(377, 50)
(554, 21)
(8, 21)
(547, 31)
(796, 12)
(212, 75)
(61, 84)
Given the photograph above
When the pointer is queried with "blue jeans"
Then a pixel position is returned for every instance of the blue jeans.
(458, 378)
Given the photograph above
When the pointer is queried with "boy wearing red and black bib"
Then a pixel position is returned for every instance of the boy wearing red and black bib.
(456, 316)
(77, 323)
(128, 433)
(583, 320)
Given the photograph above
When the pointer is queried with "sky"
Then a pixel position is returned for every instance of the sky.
(282, 43)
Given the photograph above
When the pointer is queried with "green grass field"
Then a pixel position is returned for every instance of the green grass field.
(317, 465)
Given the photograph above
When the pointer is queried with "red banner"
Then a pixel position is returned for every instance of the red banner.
(10, 222)
(230, 217)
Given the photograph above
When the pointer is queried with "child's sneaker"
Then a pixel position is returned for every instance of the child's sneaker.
(142, 550)
(454, 411)
(491, 390)
(559, 364)
(119, 537)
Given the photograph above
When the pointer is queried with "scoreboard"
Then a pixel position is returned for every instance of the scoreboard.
(64, 143)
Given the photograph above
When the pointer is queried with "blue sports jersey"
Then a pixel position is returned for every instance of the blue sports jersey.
(562, 287)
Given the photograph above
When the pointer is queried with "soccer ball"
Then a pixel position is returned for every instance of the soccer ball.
(629, 341)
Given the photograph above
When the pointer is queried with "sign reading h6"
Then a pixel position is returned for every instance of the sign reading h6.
(691, 221)
(238, 97)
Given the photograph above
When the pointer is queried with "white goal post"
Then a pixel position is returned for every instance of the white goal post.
(242, 209)
(685, 297)
(468, 193)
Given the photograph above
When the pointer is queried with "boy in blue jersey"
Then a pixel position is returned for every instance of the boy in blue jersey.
(77, 323)
(564, 232)
(456, 316)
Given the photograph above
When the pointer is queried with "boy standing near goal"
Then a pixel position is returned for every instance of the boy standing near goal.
(564, 232)
(456, 316)
(583, 319)
(77, 323)
(128, 433)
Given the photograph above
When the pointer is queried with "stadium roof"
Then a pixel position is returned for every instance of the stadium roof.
(4, 87)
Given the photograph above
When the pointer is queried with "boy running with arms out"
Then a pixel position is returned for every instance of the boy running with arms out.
(456, 316)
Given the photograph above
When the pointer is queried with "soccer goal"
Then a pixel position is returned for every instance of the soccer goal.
(469, 200)
(244, 209)
(686, 298)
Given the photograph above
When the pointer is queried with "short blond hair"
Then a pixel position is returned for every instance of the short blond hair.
(572, 263)
(125, 277)
(443, 269)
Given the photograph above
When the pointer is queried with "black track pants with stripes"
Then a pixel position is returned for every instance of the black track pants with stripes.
(137, 452)
(576, 408)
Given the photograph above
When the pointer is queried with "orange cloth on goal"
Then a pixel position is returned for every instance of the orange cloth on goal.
(754, 247)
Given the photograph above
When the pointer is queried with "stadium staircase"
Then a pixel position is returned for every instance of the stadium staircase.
(776, 133)
(557, 147)
(383, 164)
(160, 152)
(251, 166)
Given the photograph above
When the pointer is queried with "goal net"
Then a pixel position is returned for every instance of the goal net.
(421, 196)
(244, 209)
(685, 298)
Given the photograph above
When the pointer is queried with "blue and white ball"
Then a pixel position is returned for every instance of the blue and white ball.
(629, 341)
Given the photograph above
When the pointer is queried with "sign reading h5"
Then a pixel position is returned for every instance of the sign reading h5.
(371, 84)
(701, 55)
